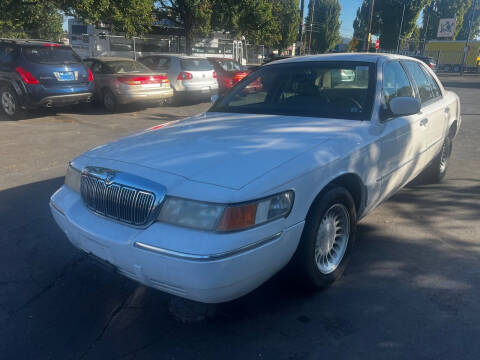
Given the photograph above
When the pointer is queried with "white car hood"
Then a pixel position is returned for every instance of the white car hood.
(228, 150)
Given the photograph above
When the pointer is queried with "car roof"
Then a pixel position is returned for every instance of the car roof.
(219, 59)
(365, 57)
(29, 42)
(110, 58)
(178, 56)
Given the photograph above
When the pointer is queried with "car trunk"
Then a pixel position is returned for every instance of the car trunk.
(200, 70)
(55, 66)
(143, 82)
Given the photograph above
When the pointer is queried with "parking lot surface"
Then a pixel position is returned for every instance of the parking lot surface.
(411, 291)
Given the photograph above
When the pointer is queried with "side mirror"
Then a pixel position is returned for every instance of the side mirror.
(214, 98)
(404, 105)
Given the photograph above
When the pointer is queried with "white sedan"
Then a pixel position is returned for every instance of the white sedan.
(278, 171)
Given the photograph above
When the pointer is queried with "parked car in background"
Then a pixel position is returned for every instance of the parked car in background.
(229, 72)
(35, 73)
(121, 81)
(190, 77)
(427, 60)
(210, 207)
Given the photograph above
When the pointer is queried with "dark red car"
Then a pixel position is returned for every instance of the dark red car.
(229, 72)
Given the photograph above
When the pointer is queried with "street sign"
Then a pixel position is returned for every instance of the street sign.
(446, 28)
(377, 44)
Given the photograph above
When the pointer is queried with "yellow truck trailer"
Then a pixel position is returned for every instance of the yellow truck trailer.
(448, 54)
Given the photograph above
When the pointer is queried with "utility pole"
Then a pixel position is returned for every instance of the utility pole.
(465, 50)
(401, 25)
(367, 41)
(300, 28)
(311, 27)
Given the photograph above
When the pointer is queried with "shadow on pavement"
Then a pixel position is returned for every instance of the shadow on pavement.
(401, 296)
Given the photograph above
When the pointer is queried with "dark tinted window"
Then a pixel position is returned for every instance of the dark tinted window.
(7, 53)
(423, 84)
(395, 81)
(196, 65)
(51, 55)
(320, 89)
(126, 66)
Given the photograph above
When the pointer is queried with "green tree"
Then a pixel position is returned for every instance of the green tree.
(440, 9)
(472, 15)
(286, 13)
(134, 17)
(323, 25)
(270, 22)
(34, 19)
(193, 15)
(387, 20)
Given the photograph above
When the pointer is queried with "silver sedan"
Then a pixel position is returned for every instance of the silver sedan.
(121, 81)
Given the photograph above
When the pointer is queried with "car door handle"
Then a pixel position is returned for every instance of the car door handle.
(424, 122)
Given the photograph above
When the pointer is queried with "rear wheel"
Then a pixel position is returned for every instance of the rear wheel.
(327, 239)
(10, 103)
(436, 171)
(109, 101)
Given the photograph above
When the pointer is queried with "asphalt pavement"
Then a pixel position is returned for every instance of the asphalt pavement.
(411, 291)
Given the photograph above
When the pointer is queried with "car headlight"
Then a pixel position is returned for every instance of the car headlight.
(223, 218)
(73, 178)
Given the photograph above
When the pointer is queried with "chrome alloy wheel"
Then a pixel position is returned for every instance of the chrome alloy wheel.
(444, 155)
(332, 238)
(8, 103)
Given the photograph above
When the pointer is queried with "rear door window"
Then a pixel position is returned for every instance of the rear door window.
(51, 55)
(423, 84)
(196, 65)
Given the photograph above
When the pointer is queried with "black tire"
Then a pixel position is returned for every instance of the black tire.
(436, 171)
(177, 99)
(10, 104)
(109, 101)
(304, 263)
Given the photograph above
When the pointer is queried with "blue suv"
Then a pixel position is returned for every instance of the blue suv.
(35, 73)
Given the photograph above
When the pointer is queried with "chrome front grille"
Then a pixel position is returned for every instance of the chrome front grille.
(117, 201)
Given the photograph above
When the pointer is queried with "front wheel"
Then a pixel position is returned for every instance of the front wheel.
(327, 239)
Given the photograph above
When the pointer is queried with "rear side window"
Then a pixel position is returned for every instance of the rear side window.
(7, 53)
(423, 83)
(395, 81)
(230, 65)
(436, 92)
(196, 65)
(51, 55)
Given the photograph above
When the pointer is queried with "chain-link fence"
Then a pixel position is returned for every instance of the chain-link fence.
(453, 61)
(89, 45)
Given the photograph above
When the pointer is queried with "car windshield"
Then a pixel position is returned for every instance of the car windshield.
(127, 66)
(230, 65)
(343, 90)
(51, 55)
(196, 65)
